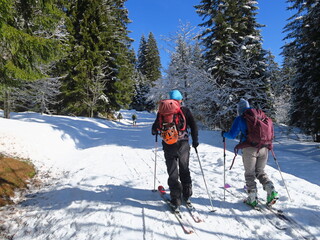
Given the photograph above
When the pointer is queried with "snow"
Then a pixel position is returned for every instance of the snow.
(97, 177)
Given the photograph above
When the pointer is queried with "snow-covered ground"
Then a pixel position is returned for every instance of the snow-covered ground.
(98, 175)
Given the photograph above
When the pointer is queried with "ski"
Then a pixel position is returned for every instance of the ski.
(269, 217)
(193, 212)
(183, 223)
(298, 228)
(280, 215)
(260, 209)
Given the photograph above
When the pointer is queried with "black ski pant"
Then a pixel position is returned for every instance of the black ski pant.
(177, 161)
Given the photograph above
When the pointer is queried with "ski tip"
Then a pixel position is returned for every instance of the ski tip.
(227, 185)
(161, 189)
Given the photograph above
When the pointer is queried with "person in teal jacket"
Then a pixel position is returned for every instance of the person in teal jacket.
(254, 160)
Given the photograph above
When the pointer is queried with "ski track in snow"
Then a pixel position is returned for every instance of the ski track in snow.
(97, 180)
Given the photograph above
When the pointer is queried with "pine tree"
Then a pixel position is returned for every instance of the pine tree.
(27, 34)
(303, 31)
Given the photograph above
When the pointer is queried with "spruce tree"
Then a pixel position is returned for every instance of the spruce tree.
(99, 67)
(148, 71)
(152, 60)
(140, 100)
(141, 61)
(283, 91)
(231, 37)
(27, 34)
(279, 89)
(303, 31)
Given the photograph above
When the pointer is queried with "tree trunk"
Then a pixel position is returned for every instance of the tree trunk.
(7, 103)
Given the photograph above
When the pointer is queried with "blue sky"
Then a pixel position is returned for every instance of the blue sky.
(161, 17)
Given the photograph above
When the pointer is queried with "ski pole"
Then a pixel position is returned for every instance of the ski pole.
(205, 183)
(155, 163)
(224, 169)
(275, 159)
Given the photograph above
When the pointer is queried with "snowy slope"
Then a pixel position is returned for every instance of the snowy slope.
(98, 175)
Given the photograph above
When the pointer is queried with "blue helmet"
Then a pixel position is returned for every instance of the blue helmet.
(175, 94)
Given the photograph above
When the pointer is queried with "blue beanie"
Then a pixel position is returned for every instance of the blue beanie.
(175, 94)
(242, 106)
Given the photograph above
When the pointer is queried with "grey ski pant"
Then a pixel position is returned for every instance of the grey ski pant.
(254, 162)
(177, 161)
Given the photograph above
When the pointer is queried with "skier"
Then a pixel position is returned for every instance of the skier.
(119, 117)
(254, 160)
(134, 119)
(177, 156)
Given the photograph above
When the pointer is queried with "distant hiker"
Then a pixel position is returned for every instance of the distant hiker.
(173, 127)
(250, 123)
(119, 117)
(134, 119)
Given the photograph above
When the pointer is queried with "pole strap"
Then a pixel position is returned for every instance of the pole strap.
(234, 158)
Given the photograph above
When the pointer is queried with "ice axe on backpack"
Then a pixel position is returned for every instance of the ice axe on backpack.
(205, 183)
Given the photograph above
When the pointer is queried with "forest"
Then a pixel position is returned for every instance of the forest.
(75, 57)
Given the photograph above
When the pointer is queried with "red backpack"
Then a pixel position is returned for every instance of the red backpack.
(260, 131)
(171, 120)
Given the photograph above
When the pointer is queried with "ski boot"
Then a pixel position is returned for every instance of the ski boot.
(175, 205)
(187, 201)
(272, 195)
(252, 198)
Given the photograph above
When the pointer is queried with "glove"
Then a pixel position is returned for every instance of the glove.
(222, 133)
(154, 132)
(195, 144)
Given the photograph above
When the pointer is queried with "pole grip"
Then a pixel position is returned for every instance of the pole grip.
(196, 150)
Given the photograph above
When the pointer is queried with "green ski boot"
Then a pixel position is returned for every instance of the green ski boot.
(272, 195)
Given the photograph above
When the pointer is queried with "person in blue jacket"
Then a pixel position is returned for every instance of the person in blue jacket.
(254, 160)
